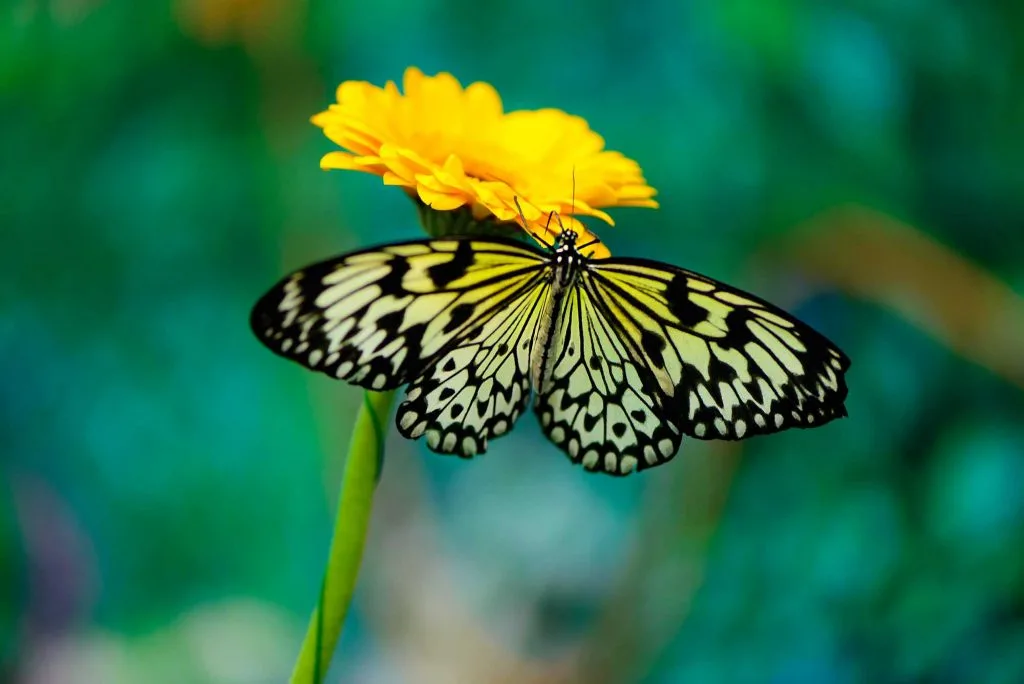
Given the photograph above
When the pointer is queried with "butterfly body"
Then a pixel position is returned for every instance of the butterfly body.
(622, 356)
(566, 265)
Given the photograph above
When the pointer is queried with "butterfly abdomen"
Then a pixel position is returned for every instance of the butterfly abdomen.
(565, 270)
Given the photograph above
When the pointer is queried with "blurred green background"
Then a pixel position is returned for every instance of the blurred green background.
(167, 485)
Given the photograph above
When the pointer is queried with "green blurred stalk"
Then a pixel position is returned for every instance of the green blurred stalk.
(362, 467)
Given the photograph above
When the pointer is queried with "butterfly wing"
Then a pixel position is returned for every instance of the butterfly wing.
(449, 316)
(733, 364)
(480, 384)
(594, 400)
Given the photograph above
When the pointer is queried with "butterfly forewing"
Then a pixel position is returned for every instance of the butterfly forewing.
(731, 364)
(385, 317)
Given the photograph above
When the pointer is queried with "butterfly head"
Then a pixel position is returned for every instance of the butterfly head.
(566, 240)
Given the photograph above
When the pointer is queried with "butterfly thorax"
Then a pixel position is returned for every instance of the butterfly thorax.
(566, 260)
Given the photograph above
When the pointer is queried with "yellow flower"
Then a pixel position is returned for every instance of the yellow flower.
(454, 147)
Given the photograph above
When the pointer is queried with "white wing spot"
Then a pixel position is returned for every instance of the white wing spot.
(315, 356)
(408, 420)
(627, 465)
(665, 447)
(759, 420)
(741, 429)
(449, 441)
(720, 425)
(610, 462)
(778, 420)
(590, 459)
(700, 429)
(558, 435)
(650, 455)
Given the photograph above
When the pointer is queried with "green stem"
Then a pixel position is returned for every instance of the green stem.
(362, 468)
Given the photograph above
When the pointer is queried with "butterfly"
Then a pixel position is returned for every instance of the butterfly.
(622, 356)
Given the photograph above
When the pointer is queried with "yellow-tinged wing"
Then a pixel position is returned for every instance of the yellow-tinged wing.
(449, 316)
(480, 384)
(595, 400)
(730, 364)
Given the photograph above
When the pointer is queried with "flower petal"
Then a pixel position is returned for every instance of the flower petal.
(440, 201)
(338, 160)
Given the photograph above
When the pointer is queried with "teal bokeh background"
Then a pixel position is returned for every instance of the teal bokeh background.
(168, 485)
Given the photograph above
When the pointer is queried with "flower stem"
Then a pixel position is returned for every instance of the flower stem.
(362, 469)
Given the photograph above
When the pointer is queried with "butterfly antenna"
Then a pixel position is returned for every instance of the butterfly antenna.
(572, 206)
(526, 226)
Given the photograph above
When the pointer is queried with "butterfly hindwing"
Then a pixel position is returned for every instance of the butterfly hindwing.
(479, 386)
(732, 364)
(595, 401)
